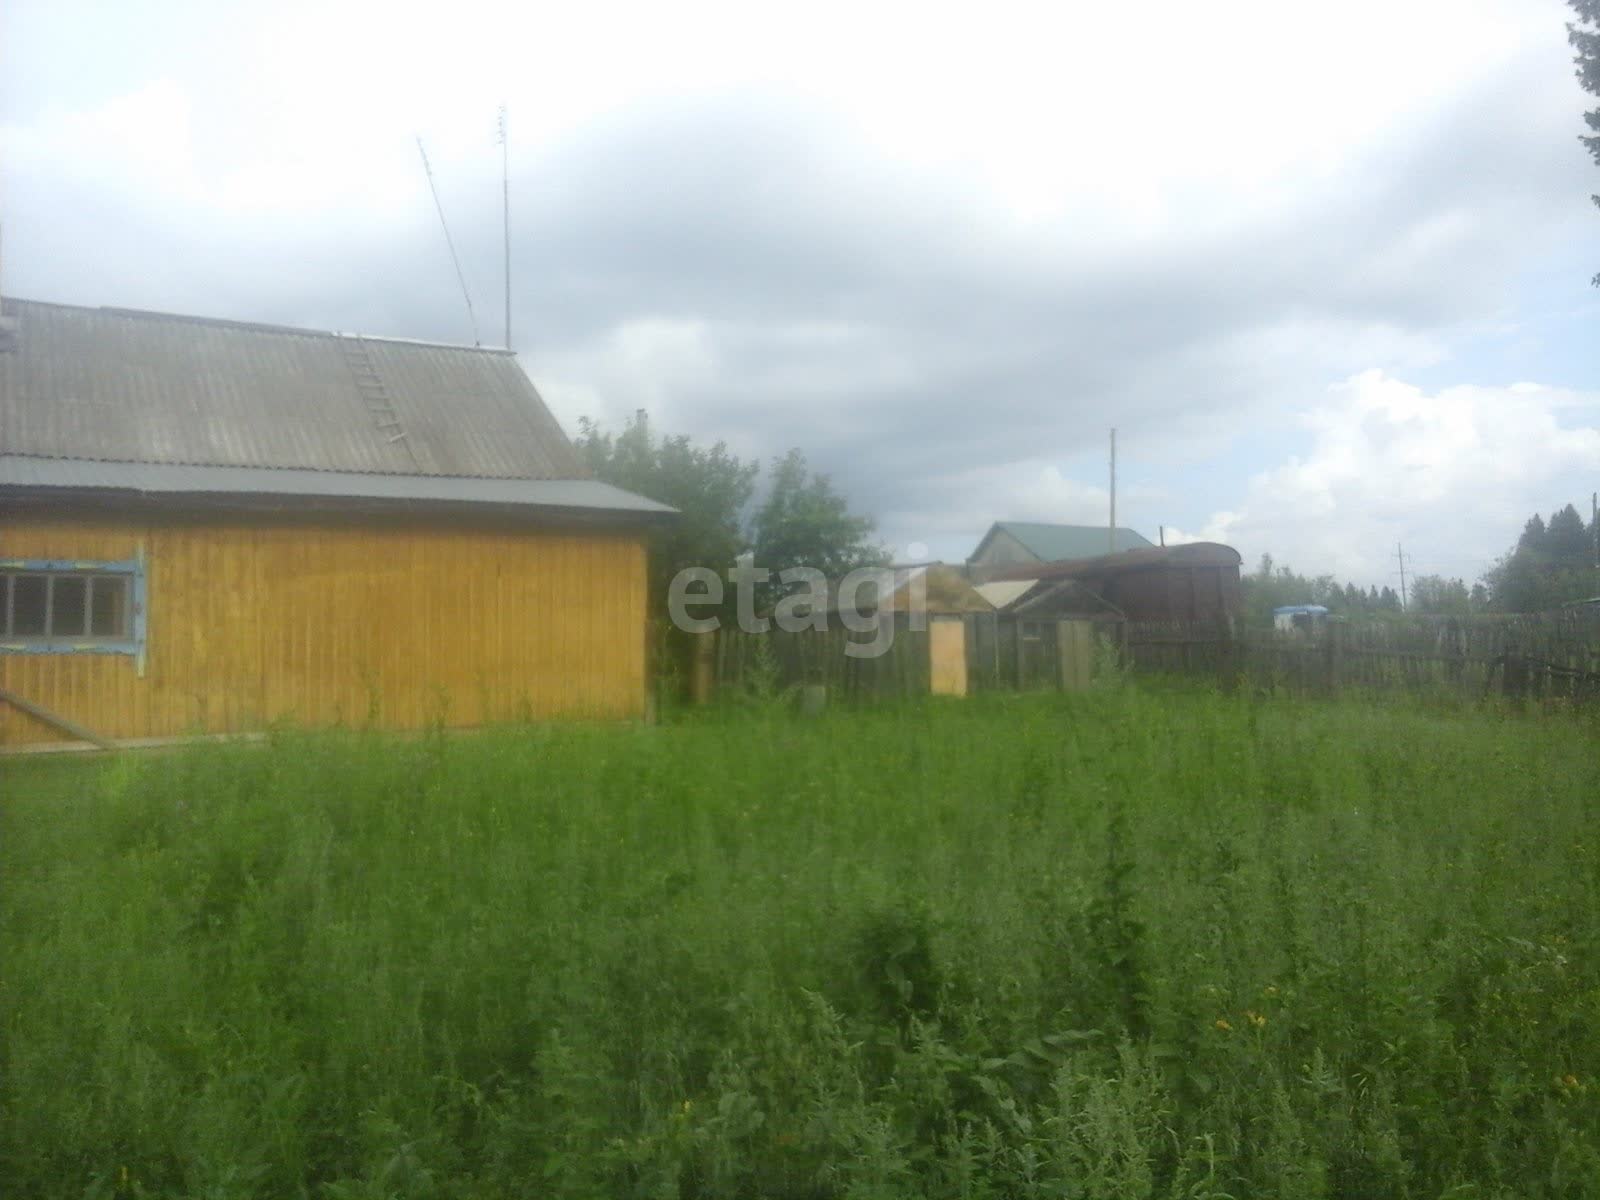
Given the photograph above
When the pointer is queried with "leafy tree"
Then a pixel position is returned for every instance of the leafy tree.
(804, 522)
(1585, 39)
(710, 488)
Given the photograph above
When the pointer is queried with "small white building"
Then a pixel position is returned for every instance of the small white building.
(1300, 618)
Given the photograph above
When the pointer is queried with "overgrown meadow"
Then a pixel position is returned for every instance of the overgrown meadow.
(1121, 944)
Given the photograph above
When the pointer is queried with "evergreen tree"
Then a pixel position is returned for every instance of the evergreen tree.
(1532, 534)
(1566, 541)
(1550, 565)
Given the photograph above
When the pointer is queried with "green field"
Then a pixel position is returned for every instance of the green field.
(1122, 944)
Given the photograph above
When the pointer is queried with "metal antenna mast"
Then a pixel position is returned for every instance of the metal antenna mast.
(448, 241)
(505, 194)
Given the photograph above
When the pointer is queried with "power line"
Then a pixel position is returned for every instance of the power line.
(472, 317)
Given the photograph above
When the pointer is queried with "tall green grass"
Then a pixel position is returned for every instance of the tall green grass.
(1114, 945)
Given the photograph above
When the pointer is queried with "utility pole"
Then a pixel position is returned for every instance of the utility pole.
(1594, 524)
(1399, 552)
(1111, 530)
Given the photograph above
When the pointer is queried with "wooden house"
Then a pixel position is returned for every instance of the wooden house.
(209, 526)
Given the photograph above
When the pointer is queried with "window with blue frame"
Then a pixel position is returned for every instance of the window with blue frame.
(50, 606)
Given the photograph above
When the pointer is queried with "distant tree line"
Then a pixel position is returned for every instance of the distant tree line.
(1553, 562)
(1272, 586)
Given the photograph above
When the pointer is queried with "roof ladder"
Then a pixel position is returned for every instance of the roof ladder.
(374, 395)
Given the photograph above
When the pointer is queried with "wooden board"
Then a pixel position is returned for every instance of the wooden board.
(947, 656)
(1075, 654)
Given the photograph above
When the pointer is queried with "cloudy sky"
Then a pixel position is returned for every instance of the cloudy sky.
(1324, 267)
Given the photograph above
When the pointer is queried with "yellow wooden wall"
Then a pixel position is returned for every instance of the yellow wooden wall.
(252, 619)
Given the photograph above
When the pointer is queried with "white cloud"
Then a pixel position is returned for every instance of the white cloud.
(1451, 474)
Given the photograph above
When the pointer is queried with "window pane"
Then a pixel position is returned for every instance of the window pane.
(108, 606)
(69, 606)
(27, 605)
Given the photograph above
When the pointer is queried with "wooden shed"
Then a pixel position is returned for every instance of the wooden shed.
(1197, 582)
(208, 526)
(1041, 633)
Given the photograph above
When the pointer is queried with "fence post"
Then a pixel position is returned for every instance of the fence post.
(1230, 657)
(1330, 658)
(1514, 675)
(702, 666)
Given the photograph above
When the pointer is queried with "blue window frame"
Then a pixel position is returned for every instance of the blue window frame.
(71, 606)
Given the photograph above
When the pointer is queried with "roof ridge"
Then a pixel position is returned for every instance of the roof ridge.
(1067, 525)
(260, 326)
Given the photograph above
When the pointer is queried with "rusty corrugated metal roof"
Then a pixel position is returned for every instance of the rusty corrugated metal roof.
(124, 386)
(1189, 554)
(943, 590)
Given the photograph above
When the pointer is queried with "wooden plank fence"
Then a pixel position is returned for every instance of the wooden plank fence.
(1555, 654)
(1542, 655)
(782, 659)
(999, 656)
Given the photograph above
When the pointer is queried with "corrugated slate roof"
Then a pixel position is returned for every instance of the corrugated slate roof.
(124, 386)
(1052, 543)
(163, 479)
